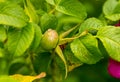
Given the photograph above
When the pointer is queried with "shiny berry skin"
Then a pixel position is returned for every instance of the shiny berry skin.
(49, 40)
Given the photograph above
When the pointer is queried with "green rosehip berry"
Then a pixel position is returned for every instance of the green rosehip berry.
(49, 40)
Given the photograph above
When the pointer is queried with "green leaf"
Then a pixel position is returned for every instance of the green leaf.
(86, 49)
(48, 21)
(73, 62)
(50, 2)
(70, 56)
(110, 37)
(14, 1)
(7, 79)
(58, 69)
(69, 19)
(103, 19)
(39, 4)
(67, 22)
(60, 54)
(20, 40)
(53, 2)
(18, 60)
(3, 35)
(90, 23)
(102, 49)
(40, 12)
(114, 17)
(37, 37)
(111, 9)
(72, 8)
(30, 8)
(13, 15)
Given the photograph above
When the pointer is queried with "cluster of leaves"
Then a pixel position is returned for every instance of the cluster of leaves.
(81, 39)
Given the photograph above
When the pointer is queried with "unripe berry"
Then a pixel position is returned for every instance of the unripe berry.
(49, 40)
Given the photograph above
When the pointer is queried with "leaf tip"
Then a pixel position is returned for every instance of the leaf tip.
(41, 75)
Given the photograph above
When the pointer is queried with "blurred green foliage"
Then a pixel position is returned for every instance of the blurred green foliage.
(91, 73)
(61, 22)
(93, 7)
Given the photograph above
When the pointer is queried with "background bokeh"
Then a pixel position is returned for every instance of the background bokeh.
(91, 73)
